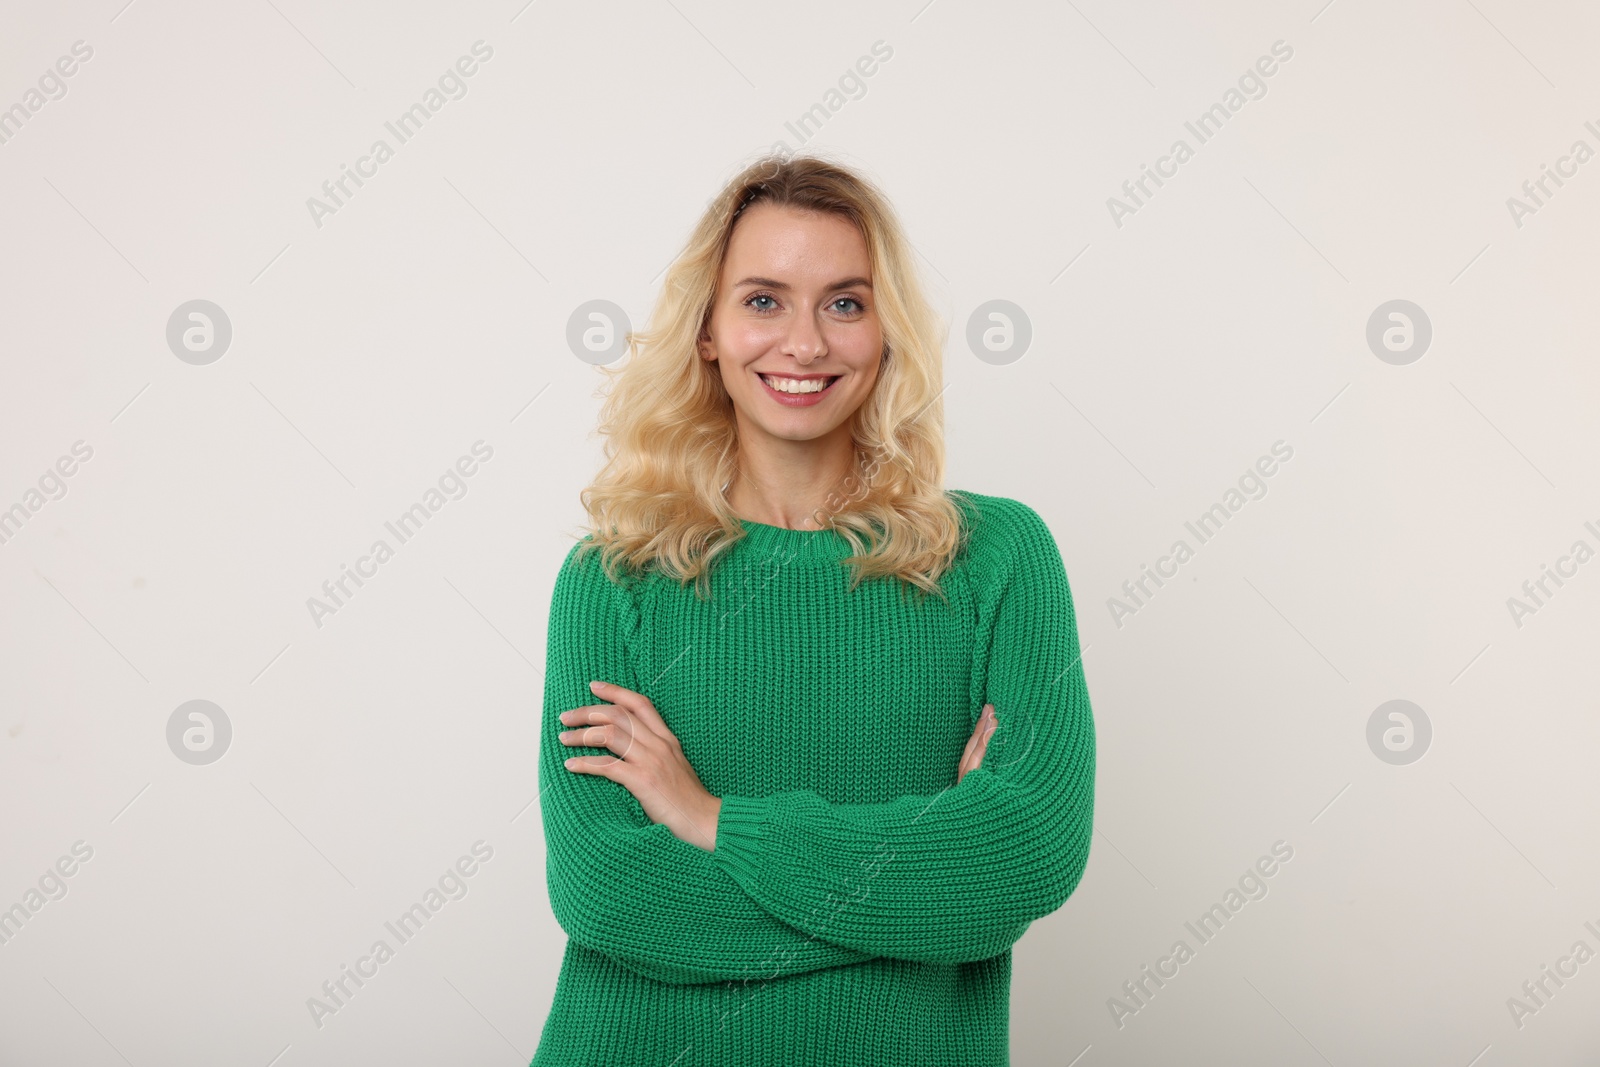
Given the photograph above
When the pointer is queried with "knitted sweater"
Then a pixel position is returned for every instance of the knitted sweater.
(860, 906)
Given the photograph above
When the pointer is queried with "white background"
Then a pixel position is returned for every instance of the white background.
(1168, 354)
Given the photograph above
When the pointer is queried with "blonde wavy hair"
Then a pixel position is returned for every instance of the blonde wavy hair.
(671, 439)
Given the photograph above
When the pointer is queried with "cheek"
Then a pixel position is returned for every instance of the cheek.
(861, 349)
(749, 338)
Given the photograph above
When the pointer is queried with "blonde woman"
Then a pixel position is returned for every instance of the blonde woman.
(781, 824)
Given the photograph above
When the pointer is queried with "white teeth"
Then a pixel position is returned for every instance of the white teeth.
(796, 385)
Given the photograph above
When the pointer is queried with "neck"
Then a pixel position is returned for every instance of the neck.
(792, 484)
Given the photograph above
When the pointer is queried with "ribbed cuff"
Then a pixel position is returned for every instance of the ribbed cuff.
(739, 828)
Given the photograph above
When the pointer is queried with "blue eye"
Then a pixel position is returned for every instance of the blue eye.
(855, 307)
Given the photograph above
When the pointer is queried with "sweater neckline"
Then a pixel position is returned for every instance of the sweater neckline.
(780, 540)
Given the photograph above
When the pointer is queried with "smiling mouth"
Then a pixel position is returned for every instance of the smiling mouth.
(798, 386)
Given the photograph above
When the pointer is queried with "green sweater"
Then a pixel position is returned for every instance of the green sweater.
(860, 906)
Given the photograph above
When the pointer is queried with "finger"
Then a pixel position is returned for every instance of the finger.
(983, 745)
(972, 760)
(623, 722)
(968, 761)
(972, 742)
(611, 768)
(587, 737)
(984, 718)
(601, 766)
(636, 703)
(606, 726)
(590, 715)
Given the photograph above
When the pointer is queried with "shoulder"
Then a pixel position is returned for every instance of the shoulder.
(583, 574)
(1013, 554)
(579, 558)
(1000, 522)
(1007, 541)
(586, 555)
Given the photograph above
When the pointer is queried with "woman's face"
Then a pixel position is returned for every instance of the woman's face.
(794, 302)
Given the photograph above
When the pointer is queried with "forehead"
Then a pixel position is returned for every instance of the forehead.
(769, 239)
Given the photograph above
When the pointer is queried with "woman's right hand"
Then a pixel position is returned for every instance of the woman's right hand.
(978, 743)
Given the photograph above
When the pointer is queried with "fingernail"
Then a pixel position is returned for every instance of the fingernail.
(568, 763)
(594, 685)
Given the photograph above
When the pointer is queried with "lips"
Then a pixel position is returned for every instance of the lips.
(798, 399)
(806, 379)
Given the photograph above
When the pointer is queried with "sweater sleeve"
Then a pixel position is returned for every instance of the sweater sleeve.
(618, 883)
(958, 875)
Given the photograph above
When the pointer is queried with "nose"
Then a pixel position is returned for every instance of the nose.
(804, 341)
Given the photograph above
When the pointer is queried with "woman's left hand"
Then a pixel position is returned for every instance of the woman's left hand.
(648, 762)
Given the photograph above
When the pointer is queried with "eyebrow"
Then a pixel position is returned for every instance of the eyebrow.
(772, 283)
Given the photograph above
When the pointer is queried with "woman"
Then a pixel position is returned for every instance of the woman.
(779, 829)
